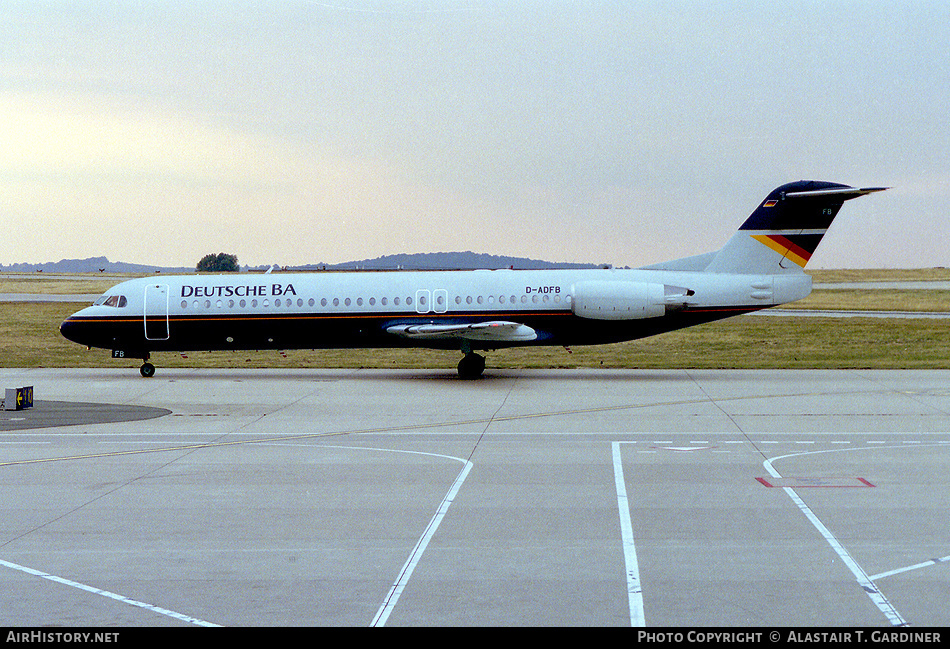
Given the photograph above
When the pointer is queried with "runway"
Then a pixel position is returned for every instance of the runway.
(680, 498)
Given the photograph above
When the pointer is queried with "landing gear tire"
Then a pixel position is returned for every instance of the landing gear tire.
(147, 370)
(471, 366)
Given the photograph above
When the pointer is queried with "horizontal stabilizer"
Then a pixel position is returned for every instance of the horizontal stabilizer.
(844, 194)
(495, 330)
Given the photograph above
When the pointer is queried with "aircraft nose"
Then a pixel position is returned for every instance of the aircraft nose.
(74, 330)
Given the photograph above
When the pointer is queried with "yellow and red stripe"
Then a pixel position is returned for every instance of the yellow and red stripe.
(785, 247)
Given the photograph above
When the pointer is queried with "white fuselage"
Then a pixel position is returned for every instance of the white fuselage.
(350, 309)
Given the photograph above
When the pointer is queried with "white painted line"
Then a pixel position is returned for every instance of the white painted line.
(866, 583)
(105, 593)
(897, 571)
(634, 589)
(390, 601)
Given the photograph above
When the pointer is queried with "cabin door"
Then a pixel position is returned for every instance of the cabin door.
(156, 312)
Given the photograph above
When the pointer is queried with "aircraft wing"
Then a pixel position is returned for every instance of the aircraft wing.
(495, 330)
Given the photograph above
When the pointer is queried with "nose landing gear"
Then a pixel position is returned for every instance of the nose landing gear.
(147, 370)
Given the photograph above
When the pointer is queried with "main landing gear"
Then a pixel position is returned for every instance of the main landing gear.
(471, 366)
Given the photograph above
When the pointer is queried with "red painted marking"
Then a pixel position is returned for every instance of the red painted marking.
(816, 483)
(791, 245)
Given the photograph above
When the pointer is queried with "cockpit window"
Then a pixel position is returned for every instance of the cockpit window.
(117, 301)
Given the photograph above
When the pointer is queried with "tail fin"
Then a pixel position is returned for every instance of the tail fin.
(783, 233)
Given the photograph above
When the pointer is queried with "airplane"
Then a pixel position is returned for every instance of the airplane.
(760, 266)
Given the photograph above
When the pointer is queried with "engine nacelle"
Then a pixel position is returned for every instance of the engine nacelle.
(618, 300)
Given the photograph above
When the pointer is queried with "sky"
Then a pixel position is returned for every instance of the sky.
(603, 132)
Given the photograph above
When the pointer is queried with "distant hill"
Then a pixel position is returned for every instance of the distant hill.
(419, 261)
(90, 265)
(440, 261)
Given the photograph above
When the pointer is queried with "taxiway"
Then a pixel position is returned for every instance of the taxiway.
(371, 497)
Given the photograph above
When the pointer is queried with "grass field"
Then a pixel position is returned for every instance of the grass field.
(875, 300)
(880, 275)
(29, 337)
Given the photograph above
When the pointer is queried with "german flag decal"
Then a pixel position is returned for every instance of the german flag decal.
(800, 254)
(769, 203)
